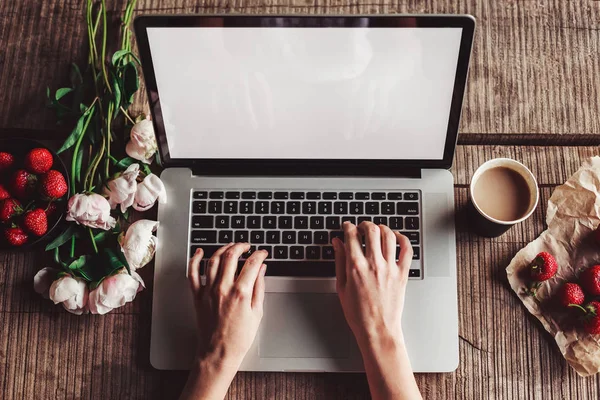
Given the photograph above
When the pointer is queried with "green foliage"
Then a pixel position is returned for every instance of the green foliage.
(62, 238)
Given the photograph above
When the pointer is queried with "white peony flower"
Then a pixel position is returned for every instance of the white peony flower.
(91, 210)
(148, 192)
(71, 292)
(142, 144)
(138, 244)
(43, 280)
(121, 190)
(115, 291)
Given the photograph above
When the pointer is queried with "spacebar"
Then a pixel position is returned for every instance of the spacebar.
(299, 268)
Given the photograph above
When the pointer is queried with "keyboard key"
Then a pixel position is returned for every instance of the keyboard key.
(336, 234)
(356, 207)
(332, 223)
(278, 207)
(313, 196)
(305, 237)
(297, 253)
(372, 208)
(284, 223)
(230, 207)
(293, 207)
(246, 255)
(380, 220)
(412, 236)
(407, 208)
(412, 223)
(378, 196)
(330, 196)
(202, 221)
(249, 195)
(289, 237)
(204, 236)
(325, 207)
(411, 196)
(362, 196)
(209, 250)
(387, 208)
(396, 223)
(269, 222)
(215, 207)
(238, 221)
(340, 207)
(262, 207)
(268, 249)
(232, 195)
(321, 237)
(394, 196)
(348, 218)
(313, 252)
(216, 195)
(328, 253)
(265, 195)
(273, 237)
(317, 222)
(253, 221)
(225, 236)
(346, 196)
(222, 221)
(416, 253)
(257, 237)
(199, 207)
(200, 195)
(309, 207)
(414, 273)
(246, 207)
(297, 195)
(362, 219)
(281, 252)
(241, 237)
(301, 222)
(281, 195)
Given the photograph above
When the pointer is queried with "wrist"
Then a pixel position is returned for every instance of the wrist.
(381, 343)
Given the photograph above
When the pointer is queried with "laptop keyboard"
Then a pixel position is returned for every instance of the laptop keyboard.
(296, 227)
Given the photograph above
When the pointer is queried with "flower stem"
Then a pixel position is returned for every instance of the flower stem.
(127, 115)
(72, 247)
(78, 145)
(93, 240)
(103, 61)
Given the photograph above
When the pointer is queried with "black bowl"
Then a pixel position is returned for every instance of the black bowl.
(19, 147)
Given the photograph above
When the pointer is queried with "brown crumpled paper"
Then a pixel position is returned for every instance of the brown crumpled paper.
(573, 214)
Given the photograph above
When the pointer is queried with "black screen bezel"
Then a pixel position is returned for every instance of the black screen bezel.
(306, 166)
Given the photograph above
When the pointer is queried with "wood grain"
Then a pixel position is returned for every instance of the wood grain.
(535, 67)
(504, 353)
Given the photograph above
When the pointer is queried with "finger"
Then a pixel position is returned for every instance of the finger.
(340, 262)
(388, 243)
(352, 242)
(229, 263)
(212, 266)
(372, 240)
(406, 252)
(258, 295)
(250, 270)
(194, 272)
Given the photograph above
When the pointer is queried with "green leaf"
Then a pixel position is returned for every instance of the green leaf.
(82, 107)
(75, 76)
(78, 161)
(61, 274)
(78, 263)
(126, 214)
(146, 169)
(77, 131)
(115, 263)
(131, 83)
(101, 237)
(125, 162)
(57, 259)
(121, 54)
(62, 238)
(62, 92)
(116, 85)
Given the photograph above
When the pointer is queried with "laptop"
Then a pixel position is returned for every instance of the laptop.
(276, 129)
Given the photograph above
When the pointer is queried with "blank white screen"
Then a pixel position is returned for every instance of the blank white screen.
(305, 93)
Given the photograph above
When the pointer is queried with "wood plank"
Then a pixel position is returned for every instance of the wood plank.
(535, 68)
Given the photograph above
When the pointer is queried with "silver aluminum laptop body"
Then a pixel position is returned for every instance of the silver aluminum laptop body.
(303, 328)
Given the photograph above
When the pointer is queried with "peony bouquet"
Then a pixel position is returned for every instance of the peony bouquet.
(98, 254)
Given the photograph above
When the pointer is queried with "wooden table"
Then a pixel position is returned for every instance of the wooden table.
(532, 95)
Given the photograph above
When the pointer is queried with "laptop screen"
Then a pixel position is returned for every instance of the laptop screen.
(305, 93)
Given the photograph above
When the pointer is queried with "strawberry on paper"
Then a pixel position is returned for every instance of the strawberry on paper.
(590, 280)
(570, 293)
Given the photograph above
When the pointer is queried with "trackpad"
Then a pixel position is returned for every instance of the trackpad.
(304, 325)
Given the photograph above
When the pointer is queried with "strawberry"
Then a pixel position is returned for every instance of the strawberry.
(23, 184)
(53, 185)
(543, 267)
(15, 236)
(4, 193)
(590, 280)
(36, 222)
(6, 161)
(39, 161)
(9, 208)
(570, 293)
(591, 318)
(50, 209)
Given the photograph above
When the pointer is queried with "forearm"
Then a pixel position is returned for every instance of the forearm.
(388, 369)
(208, 380)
